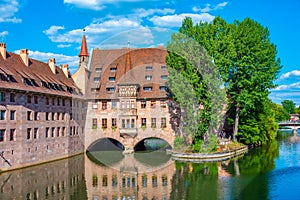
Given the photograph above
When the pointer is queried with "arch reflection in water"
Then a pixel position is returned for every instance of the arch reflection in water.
(130, 177)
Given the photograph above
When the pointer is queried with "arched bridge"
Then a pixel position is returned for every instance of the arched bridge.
(294, 125)
(128, 138)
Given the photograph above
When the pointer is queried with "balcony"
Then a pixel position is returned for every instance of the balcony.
(128, 132)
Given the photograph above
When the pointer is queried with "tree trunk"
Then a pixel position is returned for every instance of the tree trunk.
(236, 122)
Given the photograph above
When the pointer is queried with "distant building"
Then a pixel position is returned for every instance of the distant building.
(39, 111)
(294, 117)
(126, 94)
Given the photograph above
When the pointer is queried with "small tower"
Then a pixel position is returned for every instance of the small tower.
(83, 55)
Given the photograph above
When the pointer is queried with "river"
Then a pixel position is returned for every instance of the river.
(268, 172)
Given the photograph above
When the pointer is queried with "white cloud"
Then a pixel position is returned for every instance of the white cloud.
(3, 33)
(176, 20)
(96, 4)
(287, 87)
(289, 74)
(209, 7)
(64, 45)
(141, 12)
(221, 5)
(53, 30)
(8, 9)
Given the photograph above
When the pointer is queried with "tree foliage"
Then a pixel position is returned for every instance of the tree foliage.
(246, 60)
(289, 106)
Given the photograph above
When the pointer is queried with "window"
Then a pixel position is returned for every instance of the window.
(29, 115)
(163, 67)
(47, 116)
(144, 122)
(163, 88)
(57, 131)
(35, 133)
(110, 89)
(63, 116)
(104, 181)
(2, 135)
(114, 122)
(35, 99)
(127, 104)
(127, 123)
(95, 181)
(148, 67)
(2, 96)
(36, 115)
(63, 131)
(123, 123)
(164, 77)
(163, 122)
(53, 101)
(132, 104)
(132, 123)
(53, 116)
(143, 104)
(113, 104)
(28, 99)
(148, 77)
(63, 102)
(47, 100)
(104, 123)
(153, 103)
(2, 114)
(114, 181)
(113, 69)
(96, 79)
(94, 123)
(154, 181)
(47, 132)
(112, 79)
(12, 115)
(28, 133)
(163, 104)
(12, 134)
(98, 69)
(164, 180)
(153, 122)
(52, 131)
(104, 105)
(144, 180)
(57, 116)
(147, 89)
(12, 97)
(58, 101)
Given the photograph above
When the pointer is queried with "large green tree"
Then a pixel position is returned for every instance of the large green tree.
(289, 106)
(247, 62)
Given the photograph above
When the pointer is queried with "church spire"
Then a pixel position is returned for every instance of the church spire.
(83, 55)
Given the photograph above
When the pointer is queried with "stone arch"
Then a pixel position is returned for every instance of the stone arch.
(140, 143)
(105, 143)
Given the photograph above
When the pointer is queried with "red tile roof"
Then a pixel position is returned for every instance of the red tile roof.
(36, 73)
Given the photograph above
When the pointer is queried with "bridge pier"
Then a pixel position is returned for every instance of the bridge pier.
(295, 132)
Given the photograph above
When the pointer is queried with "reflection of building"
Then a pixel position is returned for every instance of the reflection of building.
(55, 180)
(39, 104)
(126, 93)
(129, 179)
(294, 117)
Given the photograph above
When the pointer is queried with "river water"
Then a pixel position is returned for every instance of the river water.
(268, 172)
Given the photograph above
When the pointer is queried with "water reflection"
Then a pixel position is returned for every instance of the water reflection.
(268, 172)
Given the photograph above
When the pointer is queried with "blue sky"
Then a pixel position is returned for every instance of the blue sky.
(52, 28)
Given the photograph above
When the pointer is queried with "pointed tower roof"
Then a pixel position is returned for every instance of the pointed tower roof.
(84, 49)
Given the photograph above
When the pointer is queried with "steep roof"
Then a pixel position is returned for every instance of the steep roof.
(84, 49)
(110, 68)
(36, 77)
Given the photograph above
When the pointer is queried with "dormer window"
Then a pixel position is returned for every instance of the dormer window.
(148, 67)
(113, 69)
(98, 69)
(96, 79)
(148, 77)
(163, 88)
(163, 67)
(110, 89)
(112, 79)
(146, 89)
(164, 77)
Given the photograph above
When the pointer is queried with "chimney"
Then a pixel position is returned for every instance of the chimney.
(51, 63)
(65, 69)
(24, 56)
(3, 50)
